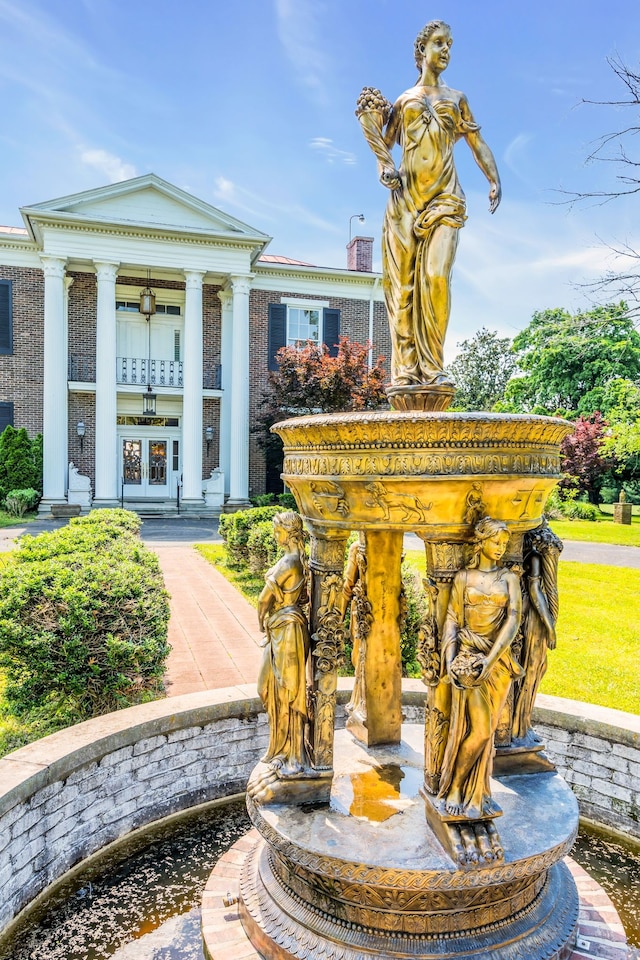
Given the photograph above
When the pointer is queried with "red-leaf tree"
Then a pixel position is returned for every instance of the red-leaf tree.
(582, 456)
(310, 381)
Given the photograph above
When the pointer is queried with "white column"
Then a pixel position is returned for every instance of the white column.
(68, 283)
(54, 425)
(192, 395)
(239, 447)
(106, 393)
(226, 353)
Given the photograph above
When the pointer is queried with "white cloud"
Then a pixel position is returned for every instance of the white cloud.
(528, 257)
(332, 153)
(225, 189)
(108, 164)
(515, 150)
(299, 35)
(276, 210)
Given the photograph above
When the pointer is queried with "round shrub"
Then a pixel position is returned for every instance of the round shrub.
(237, 529)
(83, 622)
(18, 502)
(262, 547)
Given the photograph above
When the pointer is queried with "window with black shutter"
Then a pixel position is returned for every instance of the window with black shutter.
(6, 317)
(331, 330)
(277, 332)
(6, 414)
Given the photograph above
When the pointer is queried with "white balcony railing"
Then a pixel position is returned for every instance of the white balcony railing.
(154, 373)
(139, 371)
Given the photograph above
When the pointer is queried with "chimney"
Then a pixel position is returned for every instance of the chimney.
(360, 254)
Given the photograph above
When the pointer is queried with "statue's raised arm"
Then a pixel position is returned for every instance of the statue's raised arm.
(426, 209)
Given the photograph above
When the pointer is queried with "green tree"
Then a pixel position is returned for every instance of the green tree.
(481, 371)
(20, 461)
(621, 406)
(566, 361)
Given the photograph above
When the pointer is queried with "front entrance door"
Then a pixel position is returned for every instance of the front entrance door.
(145, 467)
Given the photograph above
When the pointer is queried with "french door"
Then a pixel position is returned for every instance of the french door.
(148, 466)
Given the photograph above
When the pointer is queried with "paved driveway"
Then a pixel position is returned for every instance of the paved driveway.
(182, 530)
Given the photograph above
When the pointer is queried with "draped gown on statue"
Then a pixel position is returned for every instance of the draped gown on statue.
(474, 619)
(282, 679)
(427, 129)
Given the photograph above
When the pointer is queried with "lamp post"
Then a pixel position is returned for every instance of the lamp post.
(81, 430)
(355, 216)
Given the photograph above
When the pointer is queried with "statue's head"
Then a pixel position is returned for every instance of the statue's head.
(290, 523)
(488, 533)
(424, 36)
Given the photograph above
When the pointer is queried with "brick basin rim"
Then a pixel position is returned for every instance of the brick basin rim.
(55, 757)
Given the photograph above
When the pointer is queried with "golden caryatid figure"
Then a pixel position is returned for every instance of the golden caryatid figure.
(427, 205)
(540, 612)
(483, 617)
(282, 683)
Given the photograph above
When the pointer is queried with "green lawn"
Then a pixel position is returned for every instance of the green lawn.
(8, 520)
(596, 659)
(599, 531)
(249, 585)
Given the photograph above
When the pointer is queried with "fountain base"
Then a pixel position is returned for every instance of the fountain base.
(366, 874)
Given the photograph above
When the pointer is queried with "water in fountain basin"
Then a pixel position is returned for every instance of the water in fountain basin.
(141, 901)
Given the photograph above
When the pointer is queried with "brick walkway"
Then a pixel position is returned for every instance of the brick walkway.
(213, 631)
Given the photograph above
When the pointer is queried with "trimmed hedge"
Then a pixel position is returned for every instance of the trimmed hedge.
(83, 621)
(234, 528)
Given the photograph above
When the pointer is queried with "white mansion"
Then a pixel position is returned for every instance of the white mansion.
(137, 328)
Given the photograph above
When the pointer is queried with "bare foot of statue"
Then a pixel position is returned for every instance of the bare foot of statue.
(453, 803)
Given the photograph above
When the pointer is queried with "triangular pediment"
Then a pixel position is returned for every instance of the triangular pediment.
(145, 202)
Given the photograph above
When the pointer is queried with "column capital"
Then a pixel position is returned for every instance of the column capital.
(106, 271)
(53, 266)
(193, 279)
(68, 283)
(225, 297)
(242, 284)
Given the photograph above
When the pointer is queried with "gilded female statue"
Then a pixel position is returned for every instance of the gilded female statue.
(282, 683)
(540, 612)
(427, 205)
(482, 620)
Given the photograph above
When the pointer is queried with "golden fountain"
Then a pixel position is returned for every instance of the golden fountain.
(389, 839)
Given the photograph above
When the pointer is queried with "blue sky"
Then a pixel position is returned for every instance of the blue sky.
(249, 104)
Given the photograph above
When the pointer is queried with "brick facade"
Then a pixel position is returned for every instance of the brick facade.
(354, 323)
(21, 373)
(83, 304)
(82, 406)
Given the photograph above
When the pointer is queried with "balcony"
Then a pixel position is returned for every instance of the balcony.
(154, 373)
(141, 372)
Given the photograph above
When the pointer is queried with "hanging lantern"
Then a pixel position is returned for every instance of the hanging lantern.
(149, 402)
(147, 299)
(147, 302)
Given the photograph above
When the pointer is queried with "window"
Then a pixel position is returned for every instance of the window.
(176, 344)
(131, 421)
(291, 324)
(133, 306)
(303, 325)
(6, 317)
(6, 415)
